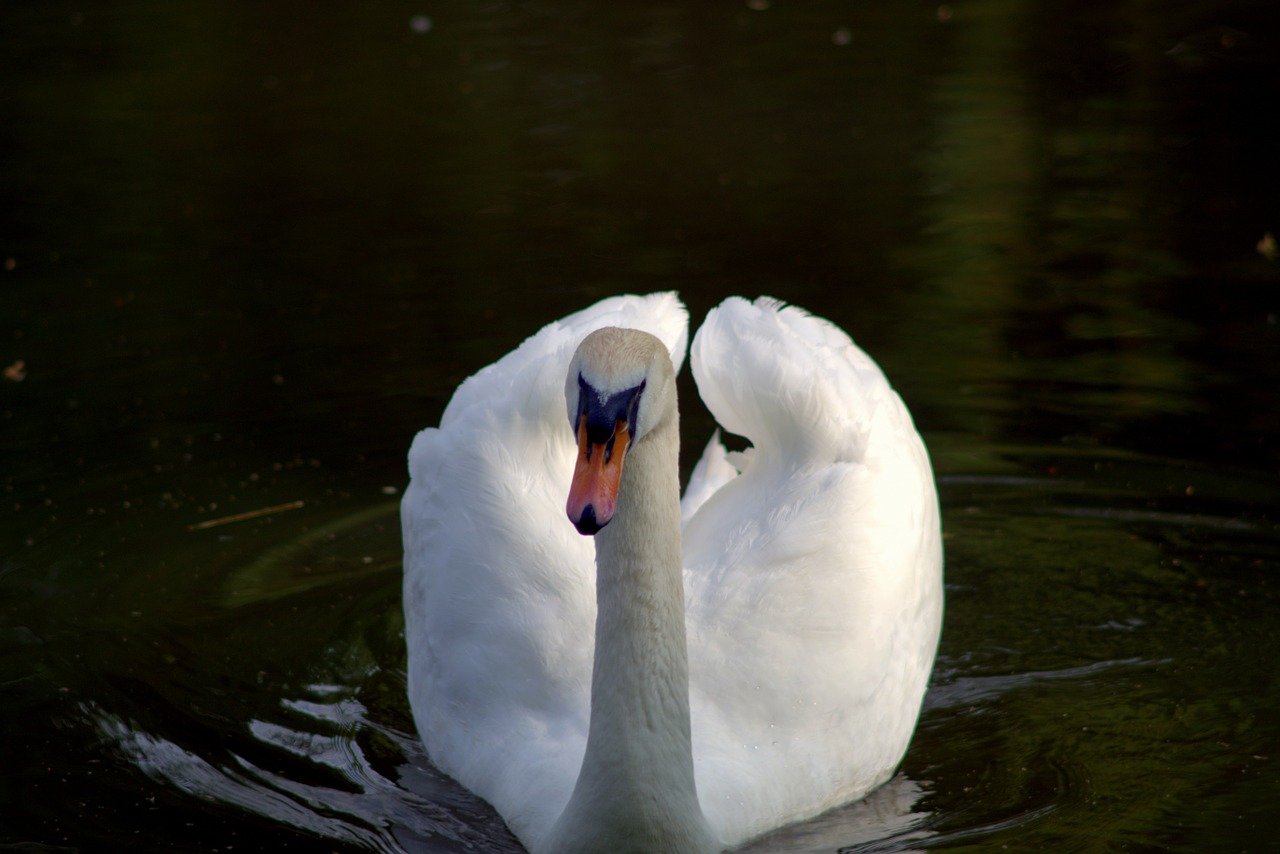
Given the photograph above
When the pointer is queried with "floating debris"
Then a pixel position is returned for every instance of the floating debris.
(1267, 247)
(240, 517)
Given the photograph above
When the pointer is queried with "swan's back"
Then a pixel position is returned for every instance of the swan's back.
(814, 578)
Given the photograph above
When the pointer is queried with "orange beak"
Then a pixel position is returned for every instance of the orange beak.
(593, 494)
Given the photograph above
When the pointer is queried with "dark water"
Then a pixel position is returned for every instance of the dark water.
(249, 249)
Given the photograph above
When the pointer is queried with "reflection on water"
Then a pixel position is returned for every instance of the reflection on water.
(327, 776)
(246, 255)
(326, 553)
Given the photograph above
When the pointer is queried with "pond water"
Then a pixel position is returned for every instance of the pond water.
(250, 249)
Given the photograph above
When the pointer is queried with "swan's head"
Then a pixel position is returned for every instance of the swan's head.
(620, 386)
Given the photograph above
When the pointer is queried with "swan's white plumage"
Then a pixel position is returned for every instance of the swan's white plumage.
(813, 578)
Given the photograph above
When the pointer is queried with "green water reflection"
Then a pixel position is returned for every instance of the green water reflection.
(249, 250)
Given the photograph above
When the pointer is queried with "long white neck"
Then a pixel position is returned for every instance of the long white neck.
(636, 792)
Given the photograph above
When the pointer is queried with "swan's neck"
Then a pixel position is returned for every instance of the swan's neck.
(636, 790)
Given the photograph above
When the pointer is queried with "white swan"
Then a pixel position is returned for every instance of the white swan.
(809, 585)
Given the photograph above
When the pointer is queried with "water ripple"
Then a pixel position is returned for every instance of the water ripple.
(331, 788)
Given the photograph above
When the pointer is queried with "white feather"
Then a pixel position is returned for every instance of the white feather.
(813, 579)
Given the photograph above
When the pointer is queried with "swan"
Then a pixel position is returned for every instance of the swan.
(695, 672)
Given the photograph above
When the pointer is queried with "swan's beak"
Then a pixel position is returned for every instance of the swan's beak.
(593, 494)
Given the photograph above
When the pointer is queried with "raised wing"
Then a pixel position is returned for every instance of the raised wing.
(813, 577)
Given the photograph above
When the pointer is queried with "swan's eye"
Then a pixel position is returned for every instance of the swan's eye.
(633, 411)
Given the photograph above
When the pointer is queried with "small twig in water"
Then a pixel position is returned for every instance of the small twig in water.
(240, 517)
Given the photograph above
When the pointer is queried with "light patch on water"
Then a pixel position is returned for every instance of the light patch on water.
(361, 806)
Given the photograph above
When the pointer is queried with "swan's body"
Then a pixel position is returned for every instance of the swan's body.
(693, 695)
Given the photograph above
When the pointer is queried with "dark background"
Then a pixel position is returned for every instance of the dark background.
(249, 250)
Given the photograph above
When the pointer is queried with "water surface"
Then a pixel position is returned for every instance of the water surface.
(249, 252)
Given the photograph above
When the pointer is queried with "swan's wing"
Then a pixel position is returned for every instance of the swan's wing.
(499, 591)
(814, 578)
(713, 470)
